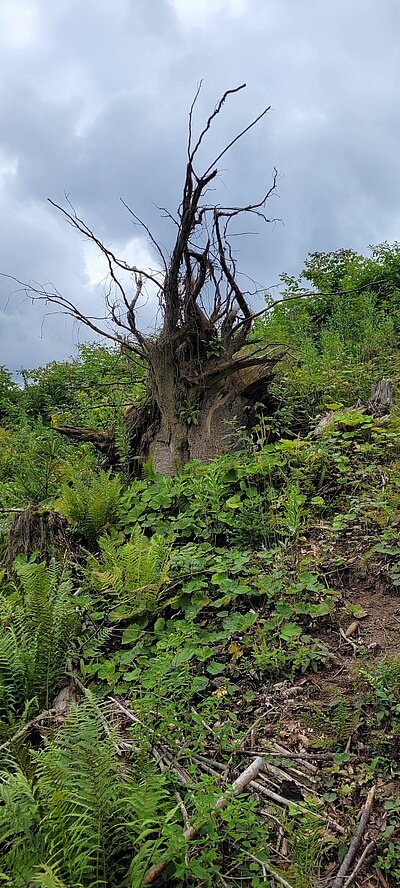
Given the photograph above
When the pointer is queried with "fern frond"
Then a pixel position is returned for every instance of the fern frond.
(133, 575)
(79, 784)
(47, 878)
(81, 823)
(92, 506)
(50, 623)
(35, 637)
(12, 675)
(21, 841)
(149, 801)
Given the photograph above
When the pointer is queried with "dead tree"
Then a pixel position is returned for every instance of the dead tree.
(204, 365)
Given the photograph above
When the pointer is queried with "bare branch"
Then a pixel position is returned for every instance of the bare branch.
(212, 117)
(81, 226)
(191, 119)
(148, 232)
(40, 295)
(239, 136)
(230, 277)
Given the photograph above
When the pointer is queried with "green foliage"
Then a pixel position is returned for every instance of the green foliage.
(389, 857)
(334, 725)
(384, 693)
(132, 577)
(341, 341)
(8, 395)
(92, 503)
(202, 596)
(32, 465)
(89, 390)
(37, 625)
(78, 820)
(305, 845)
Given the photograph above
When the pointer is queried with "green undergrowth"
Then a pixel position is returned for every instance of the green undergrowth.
(198, 618)
(171, 613)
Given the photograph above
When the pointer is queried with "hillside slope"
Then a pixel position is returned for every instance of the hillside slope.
(200, 675)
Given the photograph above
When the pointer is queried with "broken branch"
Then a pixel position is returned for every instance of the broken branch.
(356, 841)
(190, 832)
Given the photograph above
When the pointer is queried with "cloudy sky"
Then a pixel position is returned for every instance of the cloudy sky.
(94, 96)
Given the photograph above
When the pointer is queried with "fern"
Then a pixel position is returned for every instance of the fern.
(305, 839)
(157, 834)
(133, 576)
(335, 725)
(92, 507)
(21, 841)
(49, 625)
(95, 642)
(47, 878)
(78, 780)
(12, 675)
(81, 824)
(35, 636)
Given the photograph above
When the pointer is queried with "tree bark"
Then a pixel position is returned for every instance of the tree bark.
(37, 530)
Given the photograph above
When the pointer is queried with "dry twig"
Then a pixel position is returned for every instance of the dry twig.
(49, 715)
(356, 841)
(367, 850)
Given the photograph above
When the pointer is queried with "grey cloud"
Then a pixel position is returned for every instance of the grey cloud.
(97, 106)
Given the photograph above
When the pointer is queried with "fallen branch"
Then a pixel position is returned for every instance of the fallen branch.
(288, 803)
(348, 640)
(190, 832)
(50, 715)
(367, 850)
(302, 757)
(355, 842)
(267, 869)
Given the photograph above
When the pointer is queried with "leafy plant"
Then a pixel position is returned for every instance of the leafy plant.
(389, 857)
(334, 725)
(384, 693)
(131, 577)
(79, 821)
(92, 504)
(37, 624)
(305, 845)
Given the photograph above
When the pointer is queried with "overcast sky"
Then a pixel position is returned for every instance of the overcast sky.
(94, 96)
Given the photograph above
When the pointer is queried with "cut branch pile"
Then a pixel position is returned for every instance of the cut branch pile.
(283, 784)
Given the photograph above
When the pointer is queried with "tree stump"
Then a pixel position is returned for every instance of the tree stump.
(37, 530)
(378, 405)
(380, 402)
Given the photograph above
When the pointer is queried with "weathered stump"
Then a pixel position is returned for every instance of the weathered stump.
(37, 530)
